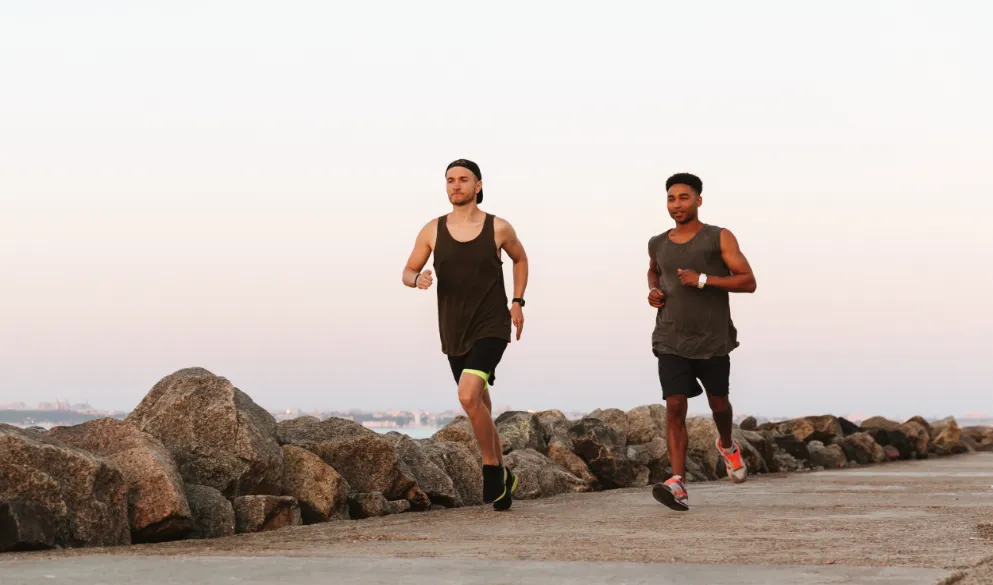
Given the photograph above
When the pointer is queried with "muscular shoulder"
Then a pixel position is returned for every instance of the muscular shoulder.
(655, 240)
(429, 233)
(502, 228)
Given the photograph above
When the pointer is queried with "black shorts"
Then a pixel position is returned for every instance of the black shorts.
(484, 356)
(679, 376)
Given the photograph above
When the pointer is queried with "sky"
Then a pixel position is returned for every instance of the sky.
(237, 186)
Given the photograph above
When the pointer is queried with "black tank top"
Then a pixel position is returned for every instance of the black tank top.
(472, 301)
(694, 323)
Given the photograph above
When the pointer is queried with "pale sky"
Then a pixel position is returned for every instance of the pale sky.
(237, 185)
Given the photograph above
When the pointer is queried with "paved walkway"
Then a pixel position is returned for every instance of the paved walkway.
(900, 523)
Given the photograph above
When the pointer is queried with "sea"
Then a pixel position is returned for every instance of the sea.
(413, 433)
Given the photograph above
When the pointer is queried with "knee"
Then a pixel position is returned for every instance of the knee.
(675, 407)
(719, 403)
(471, 398)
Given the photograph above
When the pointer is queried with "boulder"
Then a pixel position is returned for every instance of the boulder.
(217, 435)
(265, 513)
(795, 447)
(601, 448)
(702, 445)
(947, 439)
(786, 462)
(921, 421)
(400, 506)
(918, 438)
(309, 429)
(764, 443)
(157, 505)
(369, 463)
(370, 505)
(653, 456)
(895, 438)
(829, 457)
(879, 422)
(892, 453)
(646, 423)
(616, 419)
(461, 465)
(982, 436)
(321, 492)
(213, 514)
(519, 431)
(848, 427)
(862, 449)
(749, 424)
(562, 454)
(430, 478)
(540, 477)
(460, 431)
(810, 428)
(26, 526)
(86, 497)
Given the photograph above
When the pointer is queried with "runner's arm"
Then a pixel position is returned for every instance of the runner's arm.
(741, 279)
(654, 273)
(418, 256)
(515, 249)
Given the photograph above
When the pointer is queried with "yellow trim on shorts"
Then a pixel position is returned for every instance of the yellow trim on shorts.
(481, 374)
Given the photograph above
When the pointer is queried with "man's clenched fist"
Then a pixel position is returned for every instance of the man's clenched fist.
(423, 280)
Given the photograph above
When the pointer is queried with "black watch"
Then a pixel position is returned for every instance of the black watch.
(518, 300)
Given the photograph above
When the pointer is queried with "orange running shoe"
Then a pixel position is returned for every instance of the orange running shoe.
(672, 493)
(737, 470)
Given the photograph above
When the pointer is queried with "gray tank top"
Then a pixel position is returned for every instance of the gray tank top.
(694, 323)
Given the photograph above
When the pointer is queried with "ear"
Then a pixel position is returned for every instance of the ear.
(699, 200)
(479, 186)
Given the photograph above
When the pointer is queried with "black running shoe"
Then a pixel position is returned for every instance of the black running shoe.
(494, 483)
(503, 504)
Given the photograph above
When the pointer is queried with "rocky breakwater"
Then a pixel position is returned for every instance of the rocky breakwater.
(199, 459)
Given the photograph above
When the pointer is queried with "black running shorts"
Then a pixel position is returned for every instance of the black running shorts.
(483, 357)
(679, 376)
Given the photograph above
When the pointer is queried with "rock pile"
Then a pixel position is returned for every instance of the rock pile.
(199, 459)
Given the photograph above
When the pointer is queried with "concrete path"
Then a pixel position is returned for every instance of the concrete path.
(898, 523)
(391, 571)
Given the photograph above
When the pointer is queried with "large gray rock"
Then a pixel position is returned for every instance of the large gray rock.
(265, 513)
(918, 437)
(701, 445)
(309, 429)
(217, 435)
(602, 449)
(461, 465)
(460, 431)
(810, 428)
(519, 431)
(646, 423)
(982, 436)
(653, 456)
(369, 463)
(862, 449)
(947, 438)
(213, 514)
(157, 505)
(26, 526)
(764, 443)
(616, 419)
(430, 478)
(830, 457)
(879, 422)
(86, 497)
(562, 454)
(369, 505)
(320, 490)
(539, 477)
(556, 427)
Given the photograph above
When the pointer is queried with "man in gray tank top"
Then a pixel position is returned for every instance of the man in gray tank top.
(692, 268)
(474, 320)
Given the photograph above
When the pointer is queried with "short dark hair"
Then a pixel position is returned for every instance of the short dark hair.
(474, 168)
(685, 179)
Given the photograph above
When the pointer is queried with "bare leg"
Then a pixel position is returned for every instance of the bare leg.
(677, 437)
(496, 436)
(723, 417)
(473, 396)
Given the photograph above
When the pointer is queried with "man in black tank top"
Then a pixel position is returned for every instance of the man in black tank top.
(474, 320)
(692, 268)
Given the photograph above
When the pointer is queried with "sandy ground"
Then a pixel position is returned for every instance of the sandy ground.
(935, 513)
